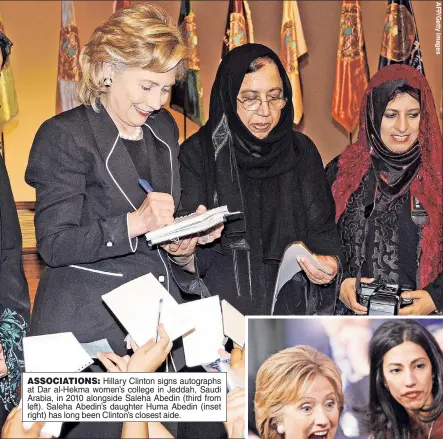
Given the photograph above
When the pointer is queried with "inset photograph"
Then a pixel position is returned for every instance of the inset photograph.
(345, 377)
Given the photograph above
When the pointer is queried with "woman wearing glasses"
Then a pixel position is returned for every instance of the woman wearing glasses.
(248, 157)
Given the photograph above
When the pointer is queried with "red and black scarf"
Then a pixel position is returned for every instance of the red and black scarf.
(424, 181)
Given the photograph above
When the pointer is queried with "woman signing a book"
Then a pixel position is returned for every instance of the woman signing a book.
(85, 163)
(249, 158)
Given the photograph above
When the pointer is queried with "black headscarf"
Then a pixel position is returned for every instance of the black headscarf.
(394, 171)
(233, 146)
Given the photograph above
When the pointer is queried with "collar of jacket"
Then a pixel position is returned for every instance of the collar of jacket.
(117, 159)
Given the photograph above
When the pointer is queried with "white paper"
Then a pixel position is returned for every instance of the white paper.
(55, 353)
(202, 345)
(95, 347)
(233, 323)
(59, 352)
(289, 266)
(50, 428)
(136, 306)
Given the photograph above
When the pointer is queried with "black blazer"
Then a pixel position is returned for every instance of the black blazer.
(86, 183)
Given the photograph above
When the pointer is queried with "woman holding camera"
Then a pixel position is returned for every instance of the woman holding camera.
(388, 193)
(406, 382)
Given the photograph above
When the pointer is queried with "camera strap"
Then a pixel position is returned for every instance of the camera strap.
(418, 212)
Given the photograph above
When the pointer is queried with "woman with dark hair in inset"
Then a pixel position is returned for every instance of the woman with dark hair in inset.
(14, 296)
(406, 382)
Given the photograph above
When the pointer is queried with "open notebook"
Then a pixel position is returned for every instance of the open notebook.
(190, 225)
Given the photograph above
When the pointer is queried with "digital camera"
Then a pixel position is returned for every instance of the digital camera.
(382, 299)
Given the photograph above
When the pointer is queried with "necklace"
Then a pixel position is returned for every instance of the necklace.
(137, 136)
(430, 431)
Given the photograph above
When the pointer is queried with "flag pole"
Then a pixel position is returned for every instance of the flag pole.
(2, 145)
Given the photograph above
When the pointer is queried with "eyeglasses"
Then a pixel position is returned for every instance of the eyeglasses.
(255, 104)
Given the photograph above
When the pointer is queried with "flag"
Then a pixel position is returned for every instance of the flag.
(352, 73)
(8, 96)
(120, 4)
(187, 95)
(400, 44)
(239, 29)
(68, 60)
(292, 47)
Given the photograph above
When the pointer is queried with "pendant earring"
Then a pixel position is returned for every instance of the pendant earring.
(107, 82)
(280, 429)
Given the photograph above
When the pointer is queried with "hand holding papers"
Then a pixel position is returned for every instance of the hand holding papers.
(136, 305)
(289, 266)
(189, 225)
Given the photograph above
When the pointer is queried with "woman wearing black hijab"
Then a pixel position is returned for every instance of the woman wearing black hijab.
(249, 158)
(14, 297)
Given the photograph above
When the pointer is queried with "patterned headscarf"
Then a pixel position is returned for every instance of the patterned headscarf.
(427, 185)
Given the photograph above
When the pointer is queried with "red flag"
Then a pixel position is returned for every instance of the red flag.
(352, 74)
(120, 4)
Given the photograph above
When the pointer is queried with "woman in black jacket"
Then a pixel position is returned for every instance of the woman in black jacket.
(91, 214)
(249, 158)
(14, 296)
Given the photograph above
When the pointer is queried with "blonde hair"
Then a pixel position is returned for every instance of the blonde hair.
(284, 378)
(141, 35)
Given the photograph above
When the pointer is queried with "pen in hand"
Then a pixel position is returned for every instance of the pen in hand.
(148, 189)
(145, 185)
